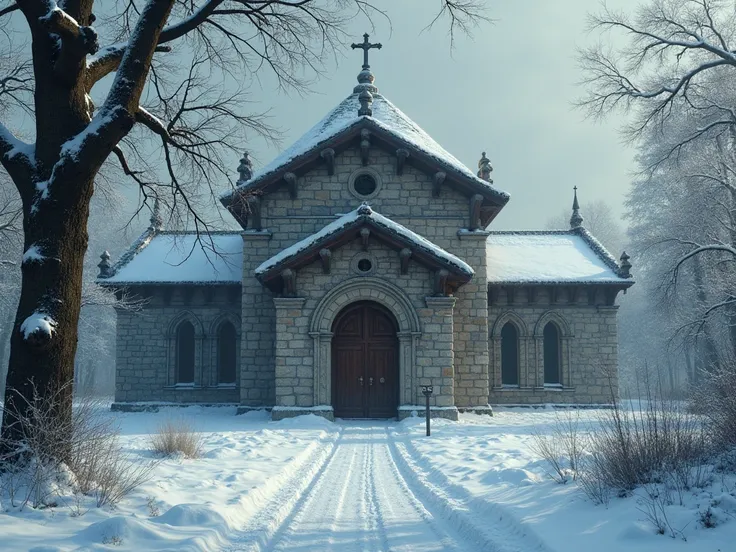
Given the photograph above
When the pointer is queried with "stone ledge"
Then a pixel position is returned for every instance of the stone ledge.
(440, 302)
(581, 406)
(465, 233)
(289, 303)
(156, 406)
(282, 412)
(446, 412)
(245, 409)
(480, 410)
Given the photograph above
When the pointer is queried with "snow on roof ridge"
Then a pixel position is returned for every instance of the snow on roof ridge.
(386, 116)
(365, 212)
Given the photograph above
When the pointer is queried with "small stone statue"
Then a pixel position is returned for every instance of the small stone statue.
(484, 168)
(245, 169)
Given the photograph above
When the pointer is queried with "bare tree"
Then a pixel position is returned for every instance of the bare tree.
(675, 76)
(176, 100)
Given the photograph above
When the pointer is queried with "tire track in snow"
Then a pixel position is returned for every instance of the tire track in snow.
(447, 535)
(318, 500)
(487, 524)
(274, 507)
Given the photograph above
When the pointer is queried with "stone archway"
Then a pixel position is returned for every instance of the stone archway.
(364, 289)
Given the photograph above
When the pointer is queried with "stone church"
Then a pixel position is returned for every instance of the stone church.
(365, 269)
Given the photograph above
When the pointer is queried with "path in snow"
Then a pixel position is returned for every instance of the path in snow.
(367, 496)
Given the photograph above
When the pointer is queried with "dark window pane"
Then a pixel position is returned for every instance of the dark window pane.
(509, 355)
(226, 353)
(551, 353)
(185, 353)
(365, 265)
(365, 184)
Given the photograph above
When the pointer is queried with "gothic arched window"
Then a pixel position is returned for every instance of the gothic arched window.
(509, 354)
(552, 354)
(226, 353)
(185, 353)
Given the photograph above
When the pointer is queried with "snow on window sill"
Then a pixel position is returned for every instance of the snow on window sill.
(183, 386)
(226, 386)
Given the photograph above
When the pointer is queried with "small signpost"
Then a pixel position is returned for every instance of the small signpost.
(427, 392)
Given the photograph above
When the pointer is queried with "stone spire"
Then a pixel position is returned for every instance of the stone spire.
(576, 220)
(156, 222)
(485, 169)
(625, 266)
(245, 169)
(365, 77)
(105, 265)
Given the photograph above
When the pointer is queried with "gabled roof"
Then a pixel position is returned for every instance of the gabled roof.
(178, 258)
(347, 228)
(388, 122)
(551, 257)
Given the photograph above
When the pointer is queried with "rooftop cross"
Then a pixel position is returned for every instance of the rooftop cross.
(365, 46)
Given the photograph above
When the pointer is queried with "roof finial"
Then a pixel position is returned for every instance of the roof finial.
(485, 169)
(105, 266)
(365, 77)
(366, 101)
(625, 266)
(245, 169)
(576, 219)
(156, 222)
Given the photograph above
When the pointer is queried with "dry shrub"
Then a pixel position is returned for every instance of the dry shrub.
(52, 456)
(563, 448)
(652, 442)
(177, 437)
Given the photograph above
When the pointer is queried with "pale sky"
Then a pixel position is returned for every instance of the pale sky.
(509, 91)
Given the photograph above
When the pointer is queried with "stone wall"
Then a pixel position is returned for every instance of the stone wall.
(407, 199)
(145, 345)
(589, 349)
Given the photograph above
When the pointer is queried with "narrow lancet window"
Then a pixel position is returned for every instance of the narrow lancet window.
(509, 355)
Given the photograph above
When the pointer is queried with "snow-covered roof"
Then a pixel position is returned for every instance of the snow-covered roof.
(386, 116)
(177, 257)
(551, 257)
(355, 218)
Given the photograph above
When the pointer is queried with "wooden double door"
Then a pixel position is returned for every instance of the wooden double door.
(365, 362)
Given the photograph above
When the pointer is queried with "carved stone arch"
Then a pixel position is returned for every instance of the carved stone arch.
(514, 318)
(364, 289)
(565, 345)
(231, 317)
(552, 316)
(199, 349)
(179, 318)
(495, 349)
(212, 372)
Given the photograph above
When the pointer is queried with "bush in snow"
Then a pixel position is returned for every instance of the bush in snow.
(563, 448)
(715, 400)
(53, 461)
(177, 437)
(655, 441)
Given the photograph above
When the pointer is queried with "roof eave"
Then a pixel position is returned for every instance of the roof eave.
(498, 198)
(342, 236)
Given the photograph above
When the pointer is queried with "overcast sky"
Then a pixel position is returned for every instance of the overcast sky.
(509, 91)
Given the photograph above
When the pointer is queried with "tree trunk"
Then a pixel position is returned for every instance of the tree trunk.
(43, 360)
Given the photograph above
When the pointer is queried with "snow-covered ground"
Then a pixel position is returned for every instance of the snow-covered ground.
(307, 484)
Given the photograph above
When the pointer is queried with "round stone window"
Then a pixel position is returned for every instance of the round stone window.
(363, 264)
(365, 183)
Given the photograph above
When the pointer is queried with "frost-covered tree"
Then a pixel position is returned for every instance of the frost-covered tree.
(675, 77)
(176, 68)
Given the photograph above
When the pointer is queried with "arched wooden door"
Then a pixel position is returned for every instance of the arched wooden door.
(365, 362)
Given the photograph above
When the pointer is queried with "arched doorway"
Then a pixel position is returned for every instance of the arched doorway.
(365, 362)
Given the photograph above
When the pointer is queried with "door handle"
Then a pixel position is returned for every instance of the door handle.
(360, 380)
(370, 381)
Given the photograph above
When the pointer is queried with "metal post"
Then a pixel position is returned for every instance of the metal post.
(427, 392)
